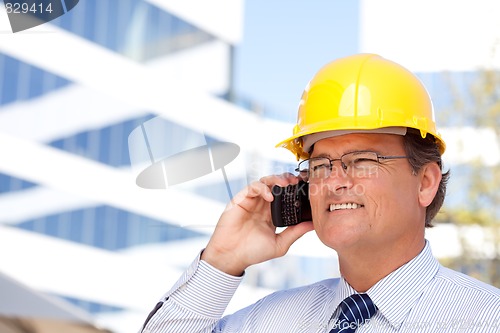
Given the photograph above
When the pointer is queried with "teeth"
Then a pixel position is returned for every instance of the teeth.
(350, 205)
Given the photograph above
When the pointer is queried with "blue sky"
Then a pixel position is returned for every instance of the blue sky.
(286, 41)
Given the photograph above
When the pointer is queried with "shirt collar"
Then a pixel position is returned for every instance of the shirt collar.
(396, 293)
(343, 291)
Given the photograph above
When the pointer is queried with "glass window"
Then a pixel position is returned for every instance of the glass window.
(107, 227)
(21, 81)
(133, 28)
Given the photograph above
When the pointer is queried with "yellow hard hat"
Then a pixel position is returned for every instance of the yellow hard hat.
(361, 93)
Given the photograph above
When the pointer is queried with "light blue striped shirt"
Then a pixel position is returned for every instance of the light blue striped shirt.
(420, 296)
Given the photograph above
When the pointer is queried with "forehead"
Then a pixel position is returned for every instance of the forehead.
(338, 145)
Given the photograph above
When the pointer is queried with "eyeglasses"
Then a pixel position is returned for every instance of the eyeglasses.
(357, 164)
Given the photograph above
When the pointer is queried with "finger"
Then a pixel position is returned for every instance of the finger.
(255, 189)
(280, 180)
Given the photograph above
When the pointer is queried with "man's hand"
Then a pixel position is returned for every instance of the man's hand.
(245, 235)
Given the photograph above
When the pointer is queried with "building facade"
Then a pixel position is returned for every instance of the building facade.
(90, 100)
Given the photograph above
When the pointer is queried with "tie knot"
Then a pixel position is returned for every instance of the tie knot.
(354, 311)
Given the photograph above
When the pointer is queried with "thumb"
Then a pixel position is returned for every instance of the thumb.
(290, 235)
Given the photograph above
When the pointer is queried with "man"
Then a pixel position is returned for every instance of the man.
(372, 157)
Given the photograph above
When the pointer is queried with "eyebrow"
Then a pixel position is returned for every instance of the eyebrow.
(324, 155)
(348, 152)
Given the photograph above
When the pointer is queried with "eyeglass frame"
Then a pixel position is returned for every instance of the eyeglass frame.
(343, 165)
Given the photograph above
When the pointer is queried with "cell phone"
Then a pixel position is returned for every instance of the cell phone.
(291, 204)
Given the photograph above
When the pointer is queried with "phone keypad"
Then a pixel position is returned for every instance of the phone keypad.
(291, 205)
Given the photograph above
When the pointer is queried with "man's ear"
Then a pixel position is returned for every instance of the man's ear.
(430, 177)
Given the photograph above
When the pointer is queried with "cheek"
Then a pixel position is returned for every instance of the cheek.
(317, 195)
(318, 198)
(392, 199)
(317, 206)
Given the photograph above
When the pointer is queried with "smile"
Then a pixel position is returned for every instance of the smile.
(350, 205)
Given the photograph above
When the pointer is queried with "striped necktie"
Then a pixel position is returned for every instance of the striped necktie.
(354, 311)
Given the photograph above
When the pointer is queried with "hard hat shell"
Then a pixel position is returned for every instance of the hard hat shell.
(362, 92)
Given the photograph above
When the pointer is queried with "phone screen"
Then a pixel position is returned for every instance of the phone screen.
(291, 204)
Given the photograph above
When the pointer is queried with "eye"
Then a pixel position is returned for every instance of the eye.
(363, 164)
(360, 160)
(319, 167)
(320, 170)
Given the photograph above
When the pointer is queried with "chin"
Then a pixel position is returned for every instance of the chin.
(338, 239)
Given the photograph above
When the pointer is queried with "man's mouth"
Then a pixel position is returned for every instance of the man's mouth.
(342, 206)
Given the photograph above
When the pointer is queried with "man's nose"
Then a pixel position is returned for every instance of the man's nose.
(339, 179)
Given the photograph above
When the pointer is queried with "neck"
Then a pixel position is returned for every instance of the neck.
(362, 270)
